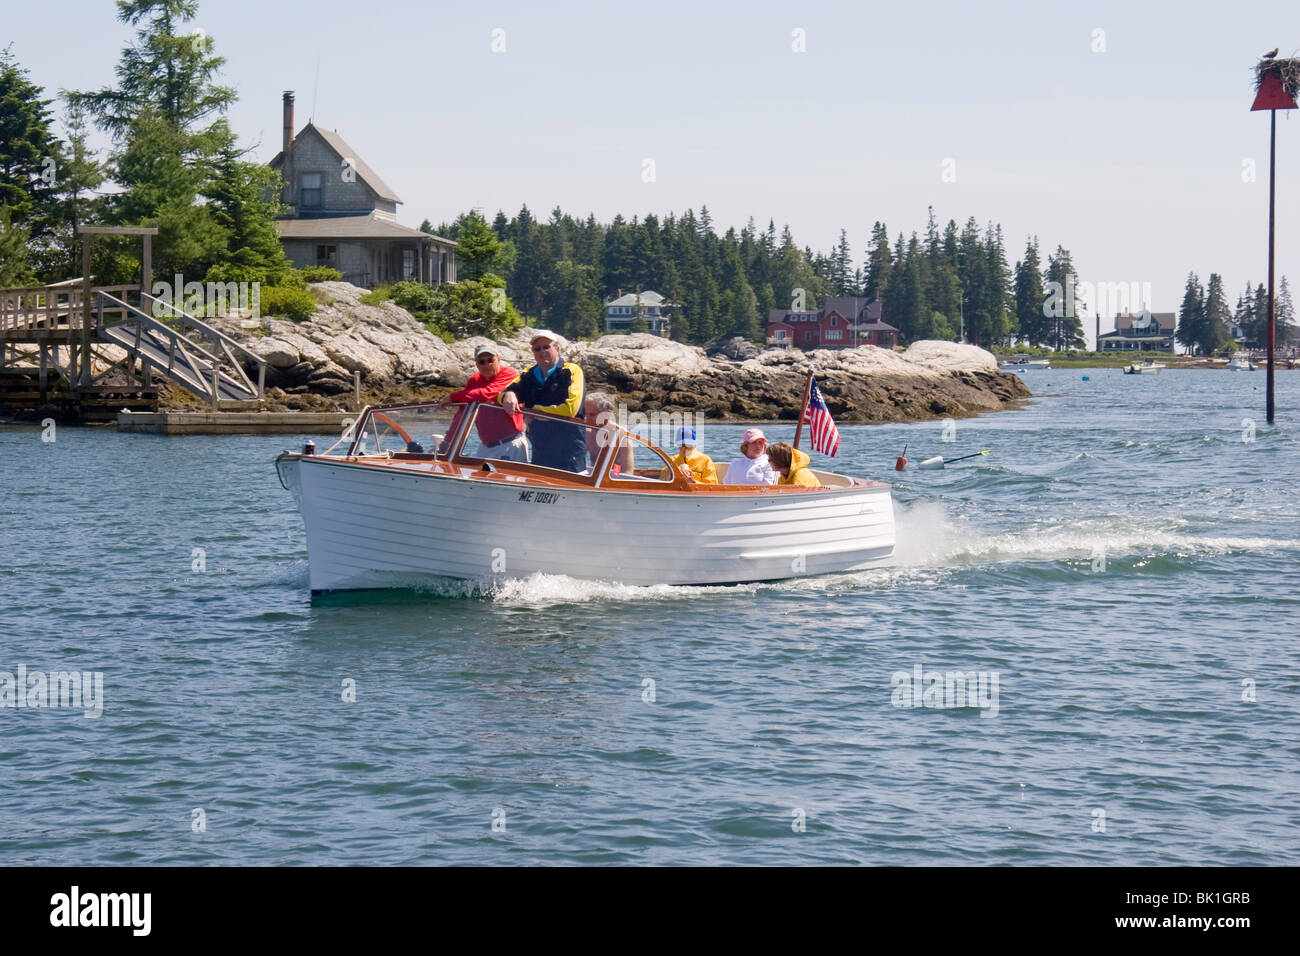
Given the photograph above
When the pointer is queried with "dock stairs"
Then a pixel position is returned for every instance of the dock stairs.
(48, 353)
(183, 349)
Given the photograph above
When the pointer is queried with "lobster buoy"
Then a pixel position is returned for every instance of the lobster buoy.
(931, 463)
(901, 464)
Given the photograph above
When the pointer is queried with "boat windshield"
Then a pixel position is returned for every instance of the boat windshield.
(484, 432)
(527, 437)
(423, 429)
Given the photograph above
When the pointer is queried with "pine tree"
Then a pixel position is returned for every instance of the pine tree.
(1284, 316)
(527, 280)
(1244, 315)
(1259, 330)
(995, 292)
(479, 250)
(15, 269)
(167, 70)
(842, 267)
(879, 263)
(1063, 321)
(972, 269)
(243, 203)
(1029, 296)
(1214, 326)
(1191, 314)
(31, 156)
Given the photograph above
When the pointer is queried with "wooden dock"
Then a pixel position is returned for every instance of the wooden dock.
(234, 423)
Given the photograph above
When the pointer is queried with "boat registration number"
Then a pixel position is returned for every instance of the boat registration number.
(539, 497)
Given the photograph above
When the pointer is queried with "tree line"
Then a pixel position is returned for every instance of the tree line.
(563, 269)
(1204, 318)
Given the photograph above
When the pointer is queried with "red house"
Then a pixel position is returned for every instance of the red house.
(841, 320)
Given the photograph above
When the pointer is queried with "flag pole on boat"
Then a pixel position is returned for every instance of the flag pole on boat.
(803, 409)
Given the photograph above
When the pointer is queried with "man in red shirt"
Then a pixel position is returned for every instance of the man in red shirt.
(502, 435)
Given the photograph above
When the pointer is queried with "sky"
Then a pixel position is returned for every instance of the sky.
(1120, 130)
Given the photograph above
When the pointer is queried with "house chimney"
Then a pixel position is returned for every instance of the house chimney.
(287, 168)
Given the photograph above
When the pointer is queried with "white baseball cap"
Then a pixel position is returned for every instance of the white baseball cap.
(544, 334)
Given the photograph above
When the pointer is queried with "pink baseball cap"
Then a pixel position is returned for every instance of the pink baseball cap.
(753, 434)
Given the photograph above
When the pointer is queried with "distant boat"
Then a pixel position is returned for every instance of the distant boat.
(1240, 362)
(1029, 365)
(1146, 368)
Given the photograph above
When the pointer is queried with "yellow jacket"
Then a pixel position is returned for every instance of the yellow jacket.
(701, 466)
(799, 473)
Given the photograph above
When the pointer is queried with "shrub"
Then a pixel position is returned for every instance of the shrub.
(321, 274)
(295, 304)
(375, 296)
(235, 272)
(413, 296)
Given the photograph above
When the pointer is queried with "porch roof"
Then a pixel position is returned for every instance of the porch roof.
(353, 227)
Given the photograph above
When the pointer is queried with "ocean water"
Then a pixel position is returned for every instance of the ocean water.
(1123, 564)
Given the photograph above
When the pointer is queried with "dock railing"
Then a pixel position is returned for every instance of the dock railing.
(214, 374)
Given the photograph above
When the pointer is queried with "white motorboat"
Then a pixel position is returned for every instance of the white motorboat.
(1148, 367)
(1028, 365)
(1240, 362)
(407, 497)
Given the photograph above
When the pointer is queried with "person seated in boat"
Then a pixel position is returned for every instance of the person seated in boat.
(557, 387)
(752, 468)
(500, 435)
(691, 462)
(792, 465)
(598, 412)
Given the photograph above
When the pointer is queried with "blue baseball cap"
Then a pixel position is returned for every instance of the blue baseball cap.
(686, 435)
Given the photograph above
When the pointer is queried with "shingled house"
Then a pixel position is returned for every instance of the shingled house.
(1148, 332)
(339, 213)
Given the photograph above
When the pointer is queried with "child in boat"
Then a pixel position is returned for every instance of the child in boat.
(792, 465)
(692, 463)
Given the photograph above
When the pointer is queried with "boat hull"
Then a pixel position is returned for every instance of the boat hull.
(376, 527)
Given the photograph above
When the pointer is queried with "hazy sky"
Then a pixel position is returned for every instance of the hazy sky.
(1118, 129)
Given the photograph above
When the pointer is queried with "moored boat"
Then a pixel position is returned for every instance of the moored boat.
(1148, 367)
(407, 497)
(1240, 362)
(1028, 365)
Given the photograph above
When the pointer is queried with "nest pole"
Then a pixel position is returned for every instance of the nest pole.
(1276, 85)
(1272, 195)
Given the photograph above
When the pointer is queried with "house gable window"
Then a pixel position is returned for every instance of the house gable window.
(311, 186)
(835, 320)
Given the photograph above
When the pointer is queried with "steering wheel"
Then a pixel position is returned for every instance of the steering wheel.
(391, 427)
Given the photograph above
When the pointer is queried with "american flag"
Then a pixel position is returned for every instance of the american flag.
(825, 437)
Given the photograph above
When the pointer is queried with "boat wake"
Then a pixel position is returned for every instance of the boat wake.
(929, 537)
(931, 545)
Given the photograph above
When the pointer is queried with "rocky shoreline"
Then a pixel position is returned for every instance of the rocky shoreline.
(311, 366)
